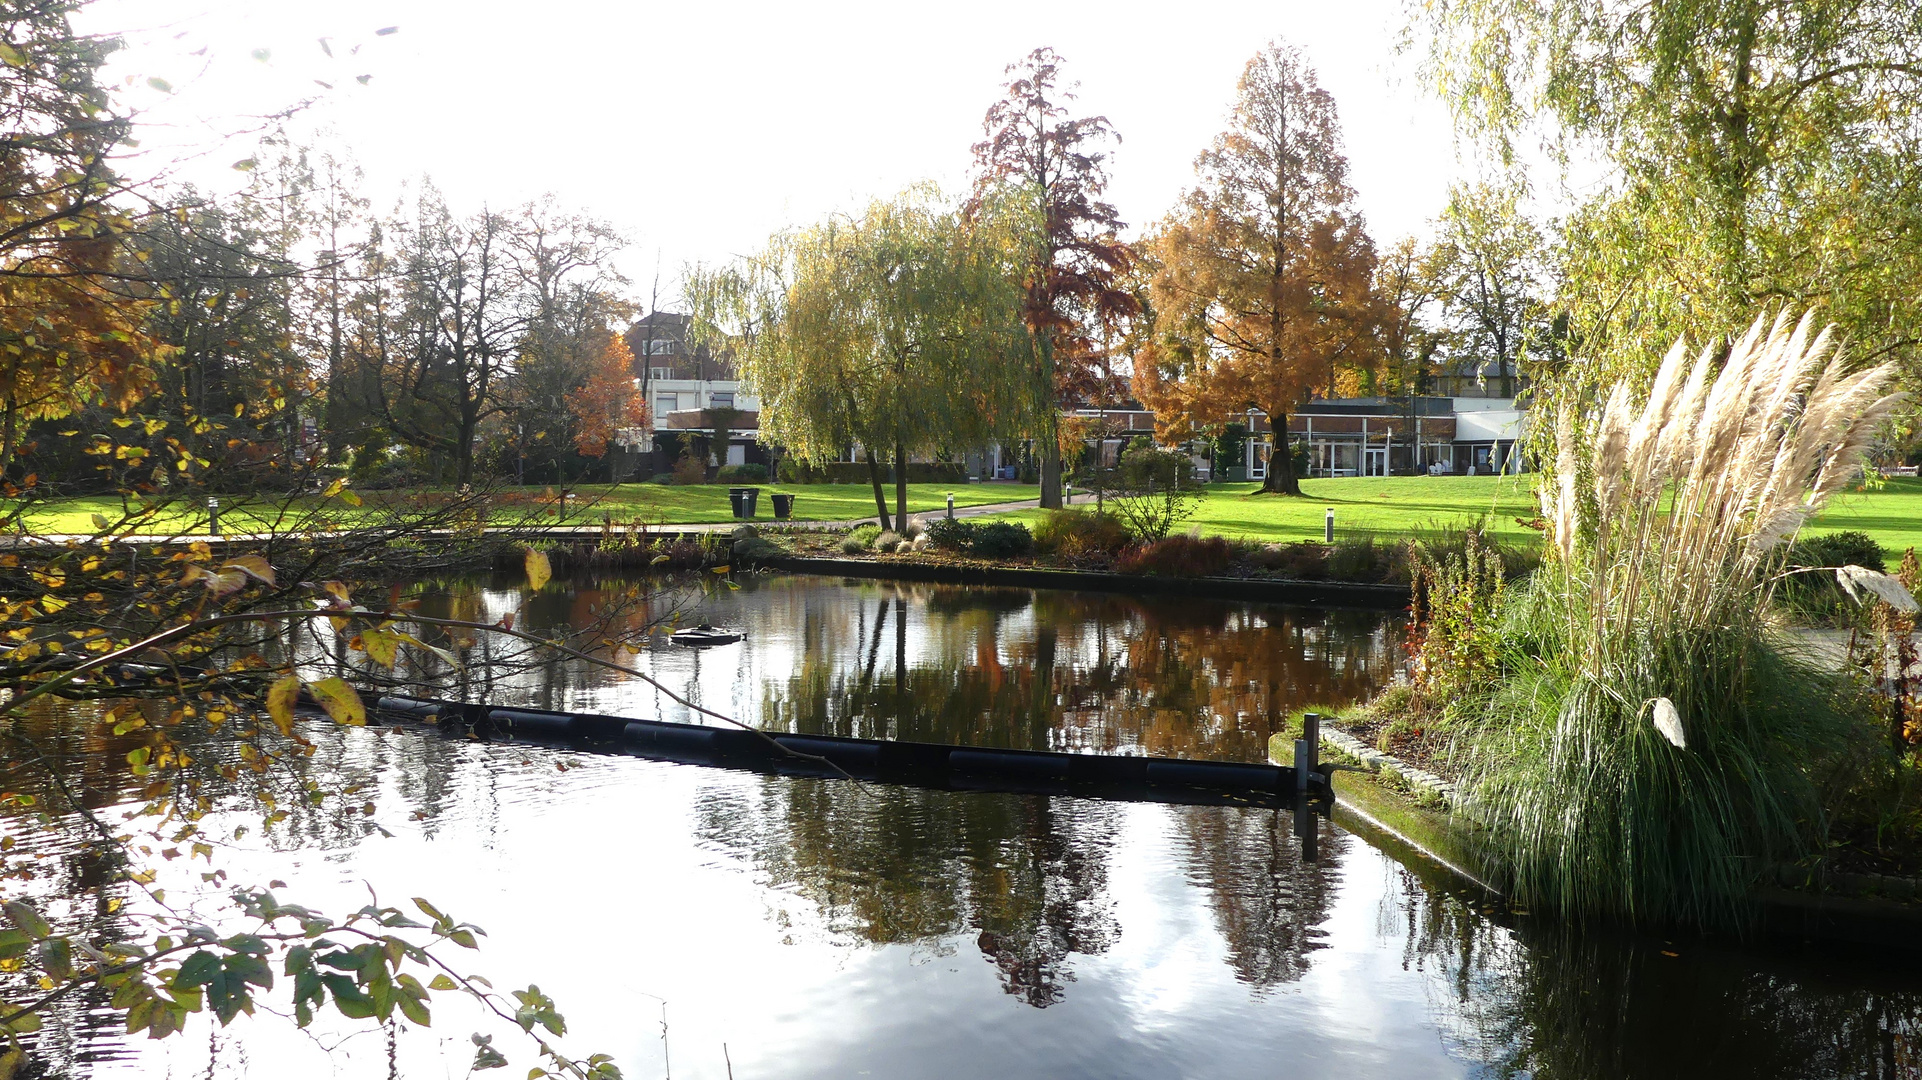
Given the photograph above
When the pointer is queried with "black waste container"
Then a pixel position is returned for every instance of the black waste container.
(753, 496)
(783, 505)
(737, 498)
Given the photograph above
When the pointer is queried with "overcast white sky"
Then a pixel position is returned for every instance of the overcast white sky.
(700, 128)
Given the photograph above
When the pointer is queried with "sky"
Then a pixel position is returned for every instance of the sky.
(698, 129)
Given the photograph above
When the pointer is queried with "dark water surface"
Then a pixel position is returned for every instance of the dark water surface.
(801, 928)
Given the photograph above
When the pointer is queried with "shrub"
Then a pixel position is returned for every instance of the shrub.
(741, 474)
(1080, 534)
(690, 470)
(1178, 556)
(913, 528)
(1002, 540)
(1302, 559)
(1356, 559)
(1154, 491)
(951, 534)
(888, 541)
(663, 478)
(1805, 583)
(860, 539)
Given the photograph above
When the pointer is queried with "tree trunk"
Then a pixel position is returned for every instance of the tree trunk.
(901, 487)
(8, 436)
(1051, 463)
(1281, 464)
(880, 499)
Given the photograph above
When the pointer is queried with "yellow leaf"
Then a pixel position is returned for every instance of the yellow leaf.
(340, 701)
(253, 566)
(280, 703)
(539, 571)
(381, 646)
(720, 569)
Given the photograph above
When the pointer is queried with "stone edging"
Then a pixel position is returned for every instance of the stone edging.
(1375, 761)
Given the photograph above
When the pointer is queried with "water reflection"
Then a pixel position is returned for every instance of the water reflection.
(1024, 877)
(993, 667)
(824, 928)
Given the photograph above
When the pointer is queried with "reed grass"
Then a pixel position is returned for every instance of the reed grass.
(1664, 511)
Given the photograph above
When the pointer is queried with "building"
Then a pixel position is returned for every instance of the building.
(683, 386)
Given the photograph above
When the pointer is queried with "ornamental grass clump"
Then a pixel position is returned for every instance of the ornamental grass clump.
(1645, 746)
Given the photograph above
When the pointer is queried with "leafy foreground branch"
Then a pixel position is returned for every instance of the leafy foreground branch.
(1638, 740)
(154, 964)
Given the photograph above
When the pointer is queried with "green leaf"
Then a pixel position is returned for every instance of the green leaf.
(200, 969)
(161, 85)
(27, 919)
(100, 522)
(429, 910)
(56, 958)
(11, 56)
(442, 982)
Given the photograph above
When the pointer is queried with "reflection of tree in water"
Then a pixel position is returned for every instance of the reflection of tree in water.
(1053, 670)
(1025, 876)
(1268, 904)
(1557, 1003)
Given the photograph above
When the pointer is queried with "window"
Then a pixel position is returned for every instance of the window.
(660, 348)
(666, 403)
(720, 401)
(658, 374)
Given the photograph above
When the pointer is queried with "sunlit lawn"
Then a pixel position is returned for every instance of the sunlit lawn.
(1388, 507)
(652, 503)
(1383, 507)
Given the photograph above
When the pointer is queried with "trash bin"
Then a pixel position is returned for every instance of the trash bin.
(737, 498)
(783, 506)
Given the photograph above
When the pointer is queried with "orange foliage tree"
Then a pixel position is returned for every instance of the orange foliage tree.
(1261, 283)
(608, 400)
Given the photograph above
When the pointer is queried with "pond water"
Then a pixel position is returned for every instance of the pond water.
(705, 923)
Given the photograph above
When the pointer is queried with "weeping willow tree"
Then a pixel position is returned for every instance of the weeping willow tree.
(899, 331)
(1753, 152)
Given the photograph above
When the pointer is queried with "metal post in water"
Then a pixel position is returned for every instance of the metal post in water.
(213, 515)
(1311, 734)
(1328, 527)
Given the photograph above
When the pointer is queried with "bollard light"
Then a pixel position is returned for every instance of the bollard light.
(213, 515)
(1328, 527)
(950, 505)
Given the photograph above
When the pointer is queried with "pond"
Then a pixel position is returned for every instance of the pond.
(698, 922)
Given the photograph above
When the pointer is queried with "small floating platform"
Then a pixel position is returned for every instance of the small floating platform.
(918, 764)
(703, 636)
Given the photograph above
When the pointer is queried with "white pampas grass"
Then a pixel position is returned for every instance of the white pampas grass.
(1669, 723)
(1694, 483)
(1856, 580)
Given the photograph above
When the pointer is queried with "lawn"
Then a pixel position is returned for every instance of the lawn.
(625, 503)
(1383, 507)
(1386, 507)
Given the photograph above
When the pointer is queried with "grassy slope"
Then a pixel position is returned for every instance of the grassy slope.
(652, 502)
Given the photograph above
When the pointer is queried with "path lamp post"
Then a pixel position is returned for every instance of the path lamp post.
(213, 515)
(950, 506)
(1328, 527)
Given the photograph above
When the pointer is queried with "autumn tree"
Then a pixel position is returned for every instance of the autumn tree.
(608, 400)
(70, 330)
(1262, 284)
(1037, 152)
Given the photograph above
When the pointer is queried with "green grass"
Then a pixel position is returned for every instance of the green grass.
(1403, 505)
(672, 505)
